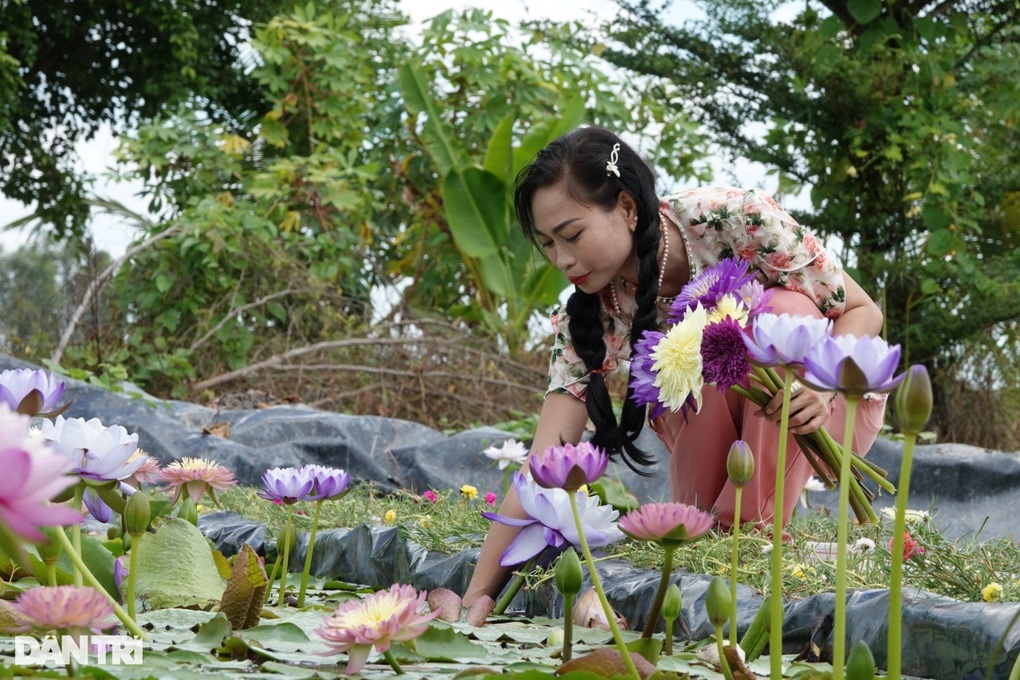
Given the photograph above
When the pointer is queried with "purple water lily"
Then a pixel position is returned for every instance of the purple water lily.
(756, 298)
(724, 278)
(568, 466)
(550, 522)
(784, 340)
(853, 365)
(31, 392)
(287, 485)
(329, 483)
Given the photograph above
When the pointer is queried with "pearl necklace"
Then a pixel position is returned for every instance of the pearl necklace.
(662, 268)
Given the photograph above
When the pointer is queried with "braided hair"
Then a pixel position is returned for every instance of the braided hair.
(579, 160)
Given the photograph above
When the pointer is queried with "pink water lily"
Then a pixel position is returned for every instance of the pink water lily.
(377, 621)
(69, 609)
(667, 523)
(196, 476)
(32, 475)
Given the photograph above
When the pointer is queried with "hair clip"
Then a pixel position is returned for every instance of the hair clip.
(614, 157)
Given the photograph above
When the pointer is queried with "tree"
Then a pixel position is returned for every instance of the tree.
(901, 119)
(68, 67)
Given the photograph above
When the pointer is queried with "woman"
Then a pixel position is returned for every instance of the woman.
(589, 201)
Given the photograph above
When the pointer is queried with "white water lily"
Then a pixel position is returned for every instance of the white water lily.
(911, 516)
(510, 451)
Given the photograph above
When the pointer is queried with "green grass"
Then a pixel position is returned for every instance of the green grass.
(959, 569)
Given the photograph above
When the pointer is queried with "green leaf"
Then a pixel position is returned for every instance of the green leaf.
(473, 201)
(190, 579)
(245, 592)
(437, 135)
(935, 217)
(615, 493)
(499, 154)
(572, 114)
(446, 644)
(864, 11)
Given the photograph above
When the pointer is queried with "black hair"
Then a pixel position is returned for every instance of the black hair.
(579, 159)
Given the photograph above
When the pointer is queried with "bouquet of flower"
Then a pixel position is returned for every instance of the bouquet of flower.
(713, 326)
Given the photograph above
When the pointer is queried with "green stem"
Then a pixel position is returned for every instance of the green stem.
(308, 555)
(667, 648)
(392, 661)
(839, 618)
(776, 612)
(286, 554)
(515, 587)
(894, 647)
(660, 595)
(723, 663)
(568, 627)
(79, 493)
(597, 583)
(93, 582)
(132, 575)
(733, 563)
(51, 571)
(272, 577)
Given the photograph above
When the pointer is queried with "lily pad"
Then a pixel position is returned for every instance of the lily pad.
(176, 568)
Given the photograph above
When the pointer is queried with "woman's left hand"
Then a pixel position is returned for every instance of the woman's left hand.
(809, 410)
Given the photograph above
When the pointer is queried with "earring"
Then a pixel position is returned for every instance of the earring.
(633, 224)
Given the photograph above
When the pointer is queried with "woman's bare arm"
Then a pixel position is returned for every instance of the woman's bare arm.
(562, 420)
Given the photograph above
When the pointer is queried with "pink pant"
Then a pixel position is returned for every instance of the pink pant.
(698, 448)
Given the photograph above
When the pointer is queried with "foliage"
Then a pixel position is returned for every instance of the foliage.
(67, 68)
(900, 120)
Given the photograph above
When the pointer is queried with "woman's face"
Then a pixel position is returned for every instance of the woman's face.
(589, 245)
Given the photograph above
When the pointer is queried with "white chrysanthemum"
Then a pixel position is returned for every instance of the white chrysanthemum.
(677, 360)
(729, 306)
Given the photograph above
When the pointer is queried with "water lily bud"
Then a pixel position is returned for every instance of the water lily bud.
(860, 665)
(740, 463)
(717, 601)
(137, 513)
(188, 511)
(914, 400)
(568, 573)
(672, 602)
(555, 638)
(51, 549)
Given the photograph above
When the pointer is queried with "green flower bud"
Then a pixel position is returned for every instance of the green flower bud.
(137, 513)
(51, 548)
(671, 603)
(555, 638)
(860, 665)
(568, 573)
(740, 463)
(717, 601)
(913, 400)
(188, 511)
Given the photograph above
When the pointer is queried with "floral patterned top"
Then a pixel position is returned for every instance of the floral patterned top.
(716, 222)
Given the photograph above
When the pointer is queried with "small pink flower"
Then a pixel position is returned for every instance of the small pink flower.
(149, 473)
(430, 496)
(490, 499)
(378, 620)
(911, 547)
(69, 609)
(667, 523)
(196, 475)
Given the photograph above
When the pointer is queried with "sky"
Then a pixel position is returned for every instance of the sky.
(96, 155)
